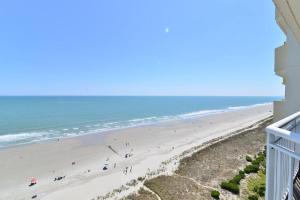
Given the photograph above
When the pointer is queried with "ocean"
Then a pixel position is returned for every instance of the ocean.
(31, 119)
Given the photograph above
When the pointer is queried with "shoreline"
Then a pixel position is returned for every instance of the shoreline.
(156, 144)
(170, 119)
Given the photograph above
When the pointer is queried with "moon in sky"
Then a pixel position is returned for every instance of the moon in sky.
(167, 30)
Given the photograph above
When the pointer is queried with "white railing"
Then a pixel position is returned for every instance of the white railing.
(283, 155)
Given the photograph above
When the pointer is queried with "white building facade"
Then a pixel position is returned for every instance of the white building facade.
(283, 137)
(287, 56)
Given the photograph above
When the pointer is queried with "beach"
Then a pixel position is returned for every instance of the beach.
(90, 166)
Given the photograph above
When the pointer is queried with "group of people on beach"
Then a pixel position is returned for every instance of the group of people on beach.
(125, 171)
(126, 156)
(33, 182)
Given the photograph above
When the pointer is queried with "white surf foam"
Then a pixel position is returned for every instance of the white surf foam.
(28, 137)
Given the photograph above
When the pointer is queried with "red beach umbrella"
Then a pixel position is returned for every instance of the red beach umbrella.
(33, 181)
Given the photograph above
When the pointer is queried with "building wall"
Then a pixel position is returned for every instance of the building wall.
(287, 57)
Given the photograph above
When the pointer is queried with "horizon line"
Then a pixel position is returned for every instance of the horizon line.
(141, 95)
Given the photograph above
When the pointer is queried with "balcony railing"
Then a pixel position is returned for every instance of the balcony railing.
(283, 155)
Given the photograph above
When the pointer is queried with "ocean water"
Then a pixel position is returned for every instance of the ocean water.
(31, 119)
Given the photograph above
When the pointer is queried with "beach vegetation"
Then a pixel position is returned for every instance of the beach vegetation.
(237, 179)
(177, 187)
(259, 158)
(248, 158)
(257, 184)
(255, 162)
(142, 194)
(253, 197)
(253, 168)
(233, 184)
(141, 178)
(230, 186)
(133, 182)
(182, 185)
(242, 174)
(215, 194)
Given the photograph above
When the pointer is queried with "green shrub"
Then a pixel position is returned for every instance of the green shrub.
(242, 173)
(263, 164)
(257, 184)
(237, 179)
(215, 194)
(248, 158)
(261, 154)
(231, 186)
(259, 159)
(255, 162)
(251, 169)
(260, 189)
(265, 151)
(252, 197)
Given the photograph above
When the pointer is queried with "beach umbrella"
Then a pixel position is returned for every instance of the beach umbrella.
(33, 181)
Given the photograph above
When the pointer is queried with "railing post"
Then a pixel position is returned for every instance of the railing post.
(279, 176)
(270, 168)
(291, 180)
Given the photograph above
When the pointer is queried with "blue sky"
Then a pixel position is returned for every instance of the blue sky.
(134, 47)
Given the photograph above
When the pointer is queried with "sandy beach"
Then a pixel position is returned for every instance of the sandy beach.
(94, 165)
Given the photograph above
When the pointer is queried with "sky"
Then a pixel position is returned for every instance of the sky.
(134, 47)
